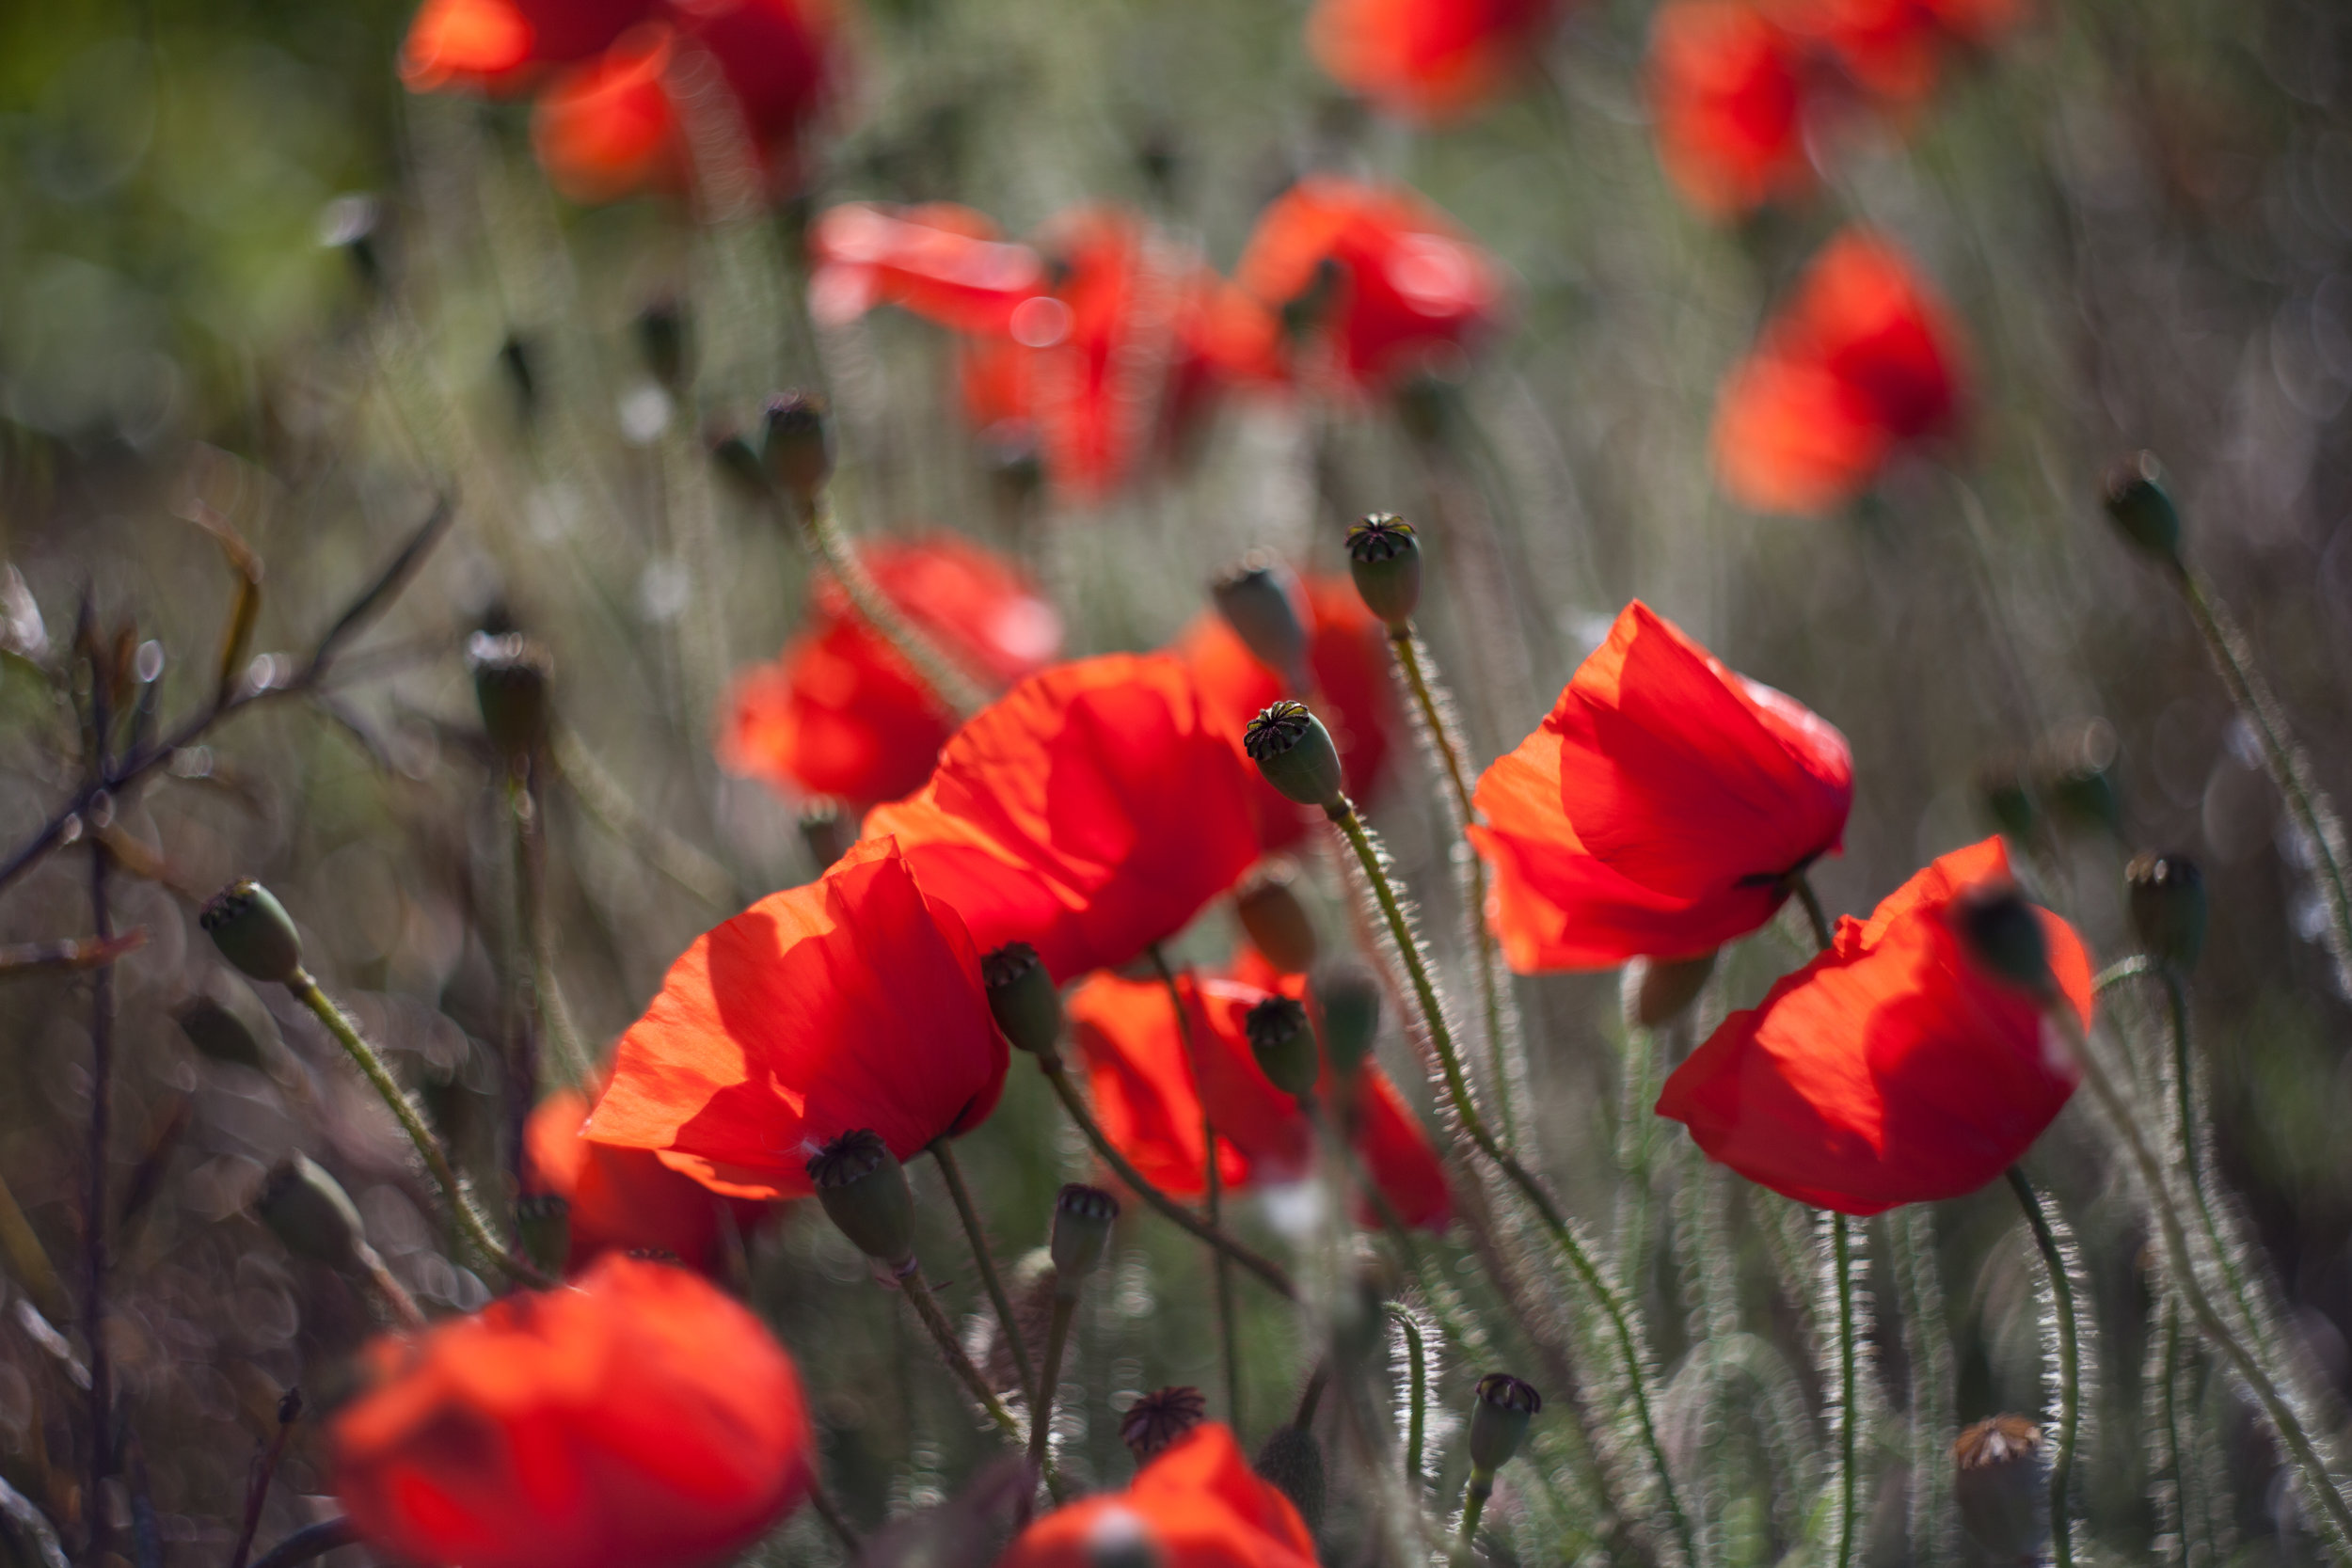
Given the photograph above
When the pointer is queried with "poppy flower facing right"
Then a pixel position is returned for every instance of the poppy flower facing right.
(1195, 1504)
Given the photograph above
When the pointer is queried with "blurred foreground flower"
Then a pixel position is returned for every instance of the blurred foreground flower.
(639, 1420)
(1196, 1505)
(621, 1200)
(1428, 60)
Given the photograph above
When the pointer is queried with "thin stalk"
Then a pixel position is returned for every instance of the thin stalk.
(2183, 1078)
(94, 1220)
(828, 1510)
(949, 686)
(264, 1469)
(1056, 1342)
(1213, 1205)
(1848, 1391)
(1910, 1232)
(1473, 1503)
(2070, 1366)
(30, 1259)
(538, 940)
(1802, 886)
(951, 1350)
(1417, 1376)
(308, 1543)
(397, 1301)
(952, 1173)
(2120, 971)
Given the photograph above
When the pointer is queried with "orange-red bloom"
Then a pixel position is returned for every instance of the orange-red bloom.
(496, 44)
(1149, 1096)
(840, 713)
(620, 1199)
(1727, 91)
(1659, 809)
(641, 1418)
(1197, 1504)
(1091, 813)
(852, 1002)
(1863, 361)
(1427, 59)
(1892, 1068)
(1895, 50)
(942, 262)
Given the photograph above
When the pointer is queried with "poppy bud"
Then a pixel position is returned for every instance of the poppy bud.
(1347, 994)
(1258, 601)
(1082, 1233)
(2168, 901)
(544, 1220)
(1664, 988)
(2003, 933)
(1274, 920)
(864, 1191)
(1385, 559)
(253, 931)
(827, 830)
(217, 1033)
(309, 1211)
(1499, 1418)
(1295, 752)
(1159, 1417)
(2003, 1488)
(1292, 1463)
(510, 685)
(796, 449)
(1022, 996)
(661, 338)
(2141, 505)
(1283, 1045)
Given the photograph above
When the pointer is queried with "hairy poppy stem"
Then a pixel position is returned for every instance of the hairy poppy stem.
(469, 1217)
(951, 1350)
(1229, 1341)
(2183, 1077)
(953, 689)
(95, 1216)
(1848, 1390)
(609, 804)
(2070, 1366)
(1416, 1393)
(952, 1173)
(538, 940)
(1580, 1258)
(1049, 1380)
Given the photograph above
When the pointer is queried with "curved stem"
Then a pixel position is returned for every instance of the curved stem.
(1801, 885)
(949, 686)
(952, 1173)
(1213, 1180)
(2070, 1366)
(1475, 1496)
(1042, 1415)
(1848, 1390)
(1417, 1421)
(835, 1520)
(951, 1351)
(2120, 971)
(308, 1543)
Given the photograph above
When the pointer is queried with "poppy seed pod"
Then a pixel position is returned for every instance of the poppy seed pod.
(1291, 1461)
(2001, 931)
(1663, 989)
(2167, 895)
(1384, 557)
(1159, 1417)
(1499, 1418)
(217, 1033)
(1022, 997)
(2139, 503)
(1348, 994)
(510, 685)
(253, 931)
(309, 1211)
(1082, 1233)
(2002, 1489)
(543, 1222)
(1283, 1045)
(796, 446)
(1273, 919)
(1295, 752)
(864, 1191)
(1260, 603)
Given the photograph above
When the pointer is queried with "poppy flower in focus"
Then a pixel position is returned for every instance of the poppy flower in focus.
(497, 44)
(1427, 59)
(1151, 1097)
(639, 1418)
(1862, 361)
(840, 713)
(943, 262)
(620, 1199)
(1892, 1068)
(854, 1001)
(1196, 1504)
(1090, 812)
(1727, 95)
(1660, 810)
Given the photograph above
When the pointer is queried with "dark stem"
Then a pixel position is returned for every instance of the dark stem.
(1311, 1396)
(257, 1489)
(1049, 1379)
(835, 1521)
(1213, 1180)
(94, 1219)
(942, 1334)
(2069, 1387)
(1801, 885)
(312, 1541)
(952, 1173)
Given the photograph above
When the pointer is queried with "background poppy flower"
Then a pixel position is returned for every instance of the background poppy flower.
(1090, 812)
(606, 128)
(852, 1002)
(621, 1200)
(1862, 360)
(1726, 95)
(943, 262)
(1197, 1504)
(1427, 59)
(497, 44)
(1892, 1068)
(641, 1418)
(1659, 809)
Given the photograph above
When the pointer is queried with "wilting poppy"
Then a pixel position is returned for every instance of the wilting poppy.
(497, 44)
(943, 262)
(1150, 1096)
(1428, 60)
(1660, 810)
(1727, 96)
(621, 1200)
(854, 1001)
(1197, 1504)
(840, 713)
(1892, 1068)
(1090, 812)
(639, 1418)
(1863, 360)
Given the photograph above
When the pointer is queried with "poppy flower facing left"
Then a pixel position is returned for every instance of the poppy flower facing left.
(1660, 808)
(1892, 1068)
(639, 1418)
(854, 1001)
(1427, 59)
(1196, 1504)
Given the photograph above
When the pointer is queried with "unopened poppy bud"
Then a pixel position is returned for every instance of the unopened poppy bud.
(309, 1211)
(543, 1222)
(253, 931)
(1082, 1233)
(864, 1191)
(1499, 1418)
(1273, 919)
(1292, 1463)
(2139, 503)
(1259, 601)
(2167, 902)
(218, 1033)
(1384, 556)
(1022, 996)
(828, 829)
(661, 338)
(510, 685)
(1662, 988)
(1347, 994)
(1283, 1045)
(796, 447)
(2002, 1489)
(2003, 933)
(1159, 1417)
(1295, 752)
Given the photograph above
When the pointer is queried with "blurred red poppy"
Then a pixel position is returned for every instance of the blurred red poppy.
(852, 1002)
(1892, 1068)
(1659, 809)
(1149, 1096)
(639, 1418)
(1863, 360)
(496, 44)
(1895, 50)
(621, 1200)
(1428, 60)
(943, 262)
(840, 713)
(1091, 813)
(606, 128)
(1197, 1504)
(1726, 94)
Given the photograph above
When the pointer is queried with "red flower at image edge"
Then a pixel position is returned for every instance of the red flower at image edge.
(852, 1002)
(1892, 1068)
(1863, 360)
(641, 1418)
(498, 44)
(840, 713)
(941, 261)
(1091, 813)
(1197, 1504)
(1660, 808)
(621, 1200)
(1728, 97)
(1427, 59)
(1895, 50)
(1149, 1096)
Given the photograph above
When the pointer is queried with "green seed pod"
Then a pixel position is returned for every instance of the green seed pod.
(2003, 1490)
(1499, 1418)
(1384, 557)
(1159, 1417)
(1283, 1045)
(2003, 933)
(1022, 995)
(510, 685)
(2139, 503)
(1347, 994)
(1662, 988)
(1259, 602)
(828, 827)
(2168, 901)
(1292, 1463)
(253, 931)
(1295, 752)
(218, 1034)
(309, 1211)
(544, 1220)
(1083, 1216)
(1274, 921)
(796, 448)
(864, 1190)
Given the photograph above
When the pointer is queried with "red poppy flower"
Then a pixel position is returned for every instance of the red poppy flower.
(942, 262)
(1659, 810)
(1197, 1504)
(1410, 289)
(1728, 97)
(1091, 813)
(1896, 49)
(620, 1199)
(495, 44)
(1863, 360)
(606, 128)
(1149, 1096)
(852, 1002)
(840, 713)
(1892, 1068)
(641, 1418)
(1427, 59)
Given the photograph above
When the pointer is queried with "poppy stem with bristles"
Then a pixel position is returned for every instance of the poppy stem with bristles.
(951, 1350)
(2070, 1366)
(1213, 1204)
(1848, 1390)
(949, 686)
(1049, 1379)
(538, 942)
(952, 1173)
(1416, 1372)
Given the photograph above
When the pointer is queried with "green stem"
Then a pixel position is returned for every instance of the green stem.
(1475, 1496)
(1848, 1391)
(2120, 971)
(2175, 1447)
(2070, 1366)
(1802, 886)
(951, 1351)
(538, 943)
(1213, 1180)
(1417, 1376)
(1057, 1341)
(2184, 1080)
(953, 689)
(952, 1173)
